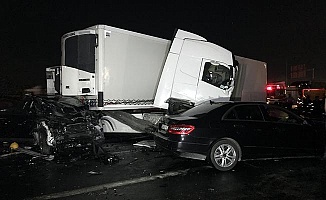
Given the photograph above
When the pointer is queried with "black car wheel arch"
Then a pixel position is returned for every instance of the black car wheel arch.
(224, 154)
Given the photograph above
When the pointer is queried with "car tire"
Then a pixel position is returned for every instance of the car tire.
(224, 154)
(44, 147)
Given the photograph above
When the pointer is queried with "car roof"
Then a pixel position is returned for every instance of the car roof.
(210, 105)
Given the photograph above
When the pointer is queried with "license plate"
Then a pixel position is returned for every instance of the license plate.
(164, 127)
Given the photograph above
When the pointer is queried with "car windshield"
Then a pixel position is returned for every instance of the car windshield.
(202, 109)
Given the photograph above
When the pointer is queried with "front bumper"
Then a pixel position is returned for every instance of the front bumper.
(79, 136)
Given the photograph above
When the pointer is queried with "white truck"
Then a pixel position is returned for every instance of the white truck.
(120, 72)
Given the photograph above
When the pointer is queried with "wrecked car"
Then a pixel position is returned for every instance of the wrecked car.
(52, 124)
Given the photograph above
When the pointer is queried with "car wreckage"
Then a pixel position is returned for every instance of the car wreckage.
(53, 125)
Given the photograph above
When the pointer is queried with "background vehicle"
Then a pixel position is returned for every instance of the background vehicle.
(120, 72)
(310, 98)
(276, 92)
(227, 132)
(51, 124)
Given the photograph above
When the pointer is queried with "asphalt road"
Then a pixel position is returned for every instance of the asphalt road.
(150, 174)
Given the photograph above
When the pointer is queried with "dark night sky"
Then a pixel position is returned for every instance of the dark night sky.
(278, 32)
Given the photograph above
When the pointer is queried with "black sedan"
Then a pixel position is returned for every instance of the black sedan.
(52, 124)
(227, 132)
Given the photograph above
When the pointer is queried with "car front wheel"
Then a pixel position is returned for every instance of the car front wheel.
(224, 154)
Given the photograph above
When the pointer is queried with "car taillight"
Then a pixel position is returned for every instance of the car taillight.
(181, 129)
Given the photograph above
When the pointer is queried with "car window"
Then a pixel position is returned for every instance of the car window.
(245, 112)
(202, 109)
(231, 115)
(275, 114)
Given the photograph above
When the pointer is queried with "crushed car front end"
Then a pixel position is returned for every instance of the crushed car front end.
(63, 127)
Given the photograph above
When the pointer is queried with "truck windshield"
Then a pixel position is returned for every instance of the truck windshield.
(80, 52)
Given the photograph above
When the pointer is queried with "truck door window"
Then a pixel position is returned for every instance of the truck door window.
(217, 75)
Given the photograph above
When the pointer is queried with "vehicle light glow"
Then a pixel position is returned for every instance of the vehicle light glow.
(181, 129)
(269, 88)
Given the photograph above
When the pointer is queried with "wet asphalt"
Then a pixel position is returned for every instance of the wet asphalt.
(142, 173)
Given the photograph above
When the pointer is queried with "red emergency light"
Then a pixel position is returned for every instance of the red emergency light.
(269, 88)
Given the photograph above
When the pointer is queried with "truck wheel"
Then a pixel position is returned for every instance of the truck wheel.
(224, 154)
(44, 147)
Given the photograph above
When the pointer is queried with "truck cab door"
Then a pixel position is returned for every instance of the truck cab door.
(215, 80)
(186, 78)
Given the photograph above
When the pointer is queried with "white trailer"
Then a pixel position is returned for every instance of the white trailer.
(251, 80)
(119, 70)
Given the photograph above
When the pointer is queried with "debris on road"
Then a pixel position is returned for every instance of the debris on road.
(9, 154)
(95, 173)
(13, 146)
(135, 159)
(15, 149)
(146, 143)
